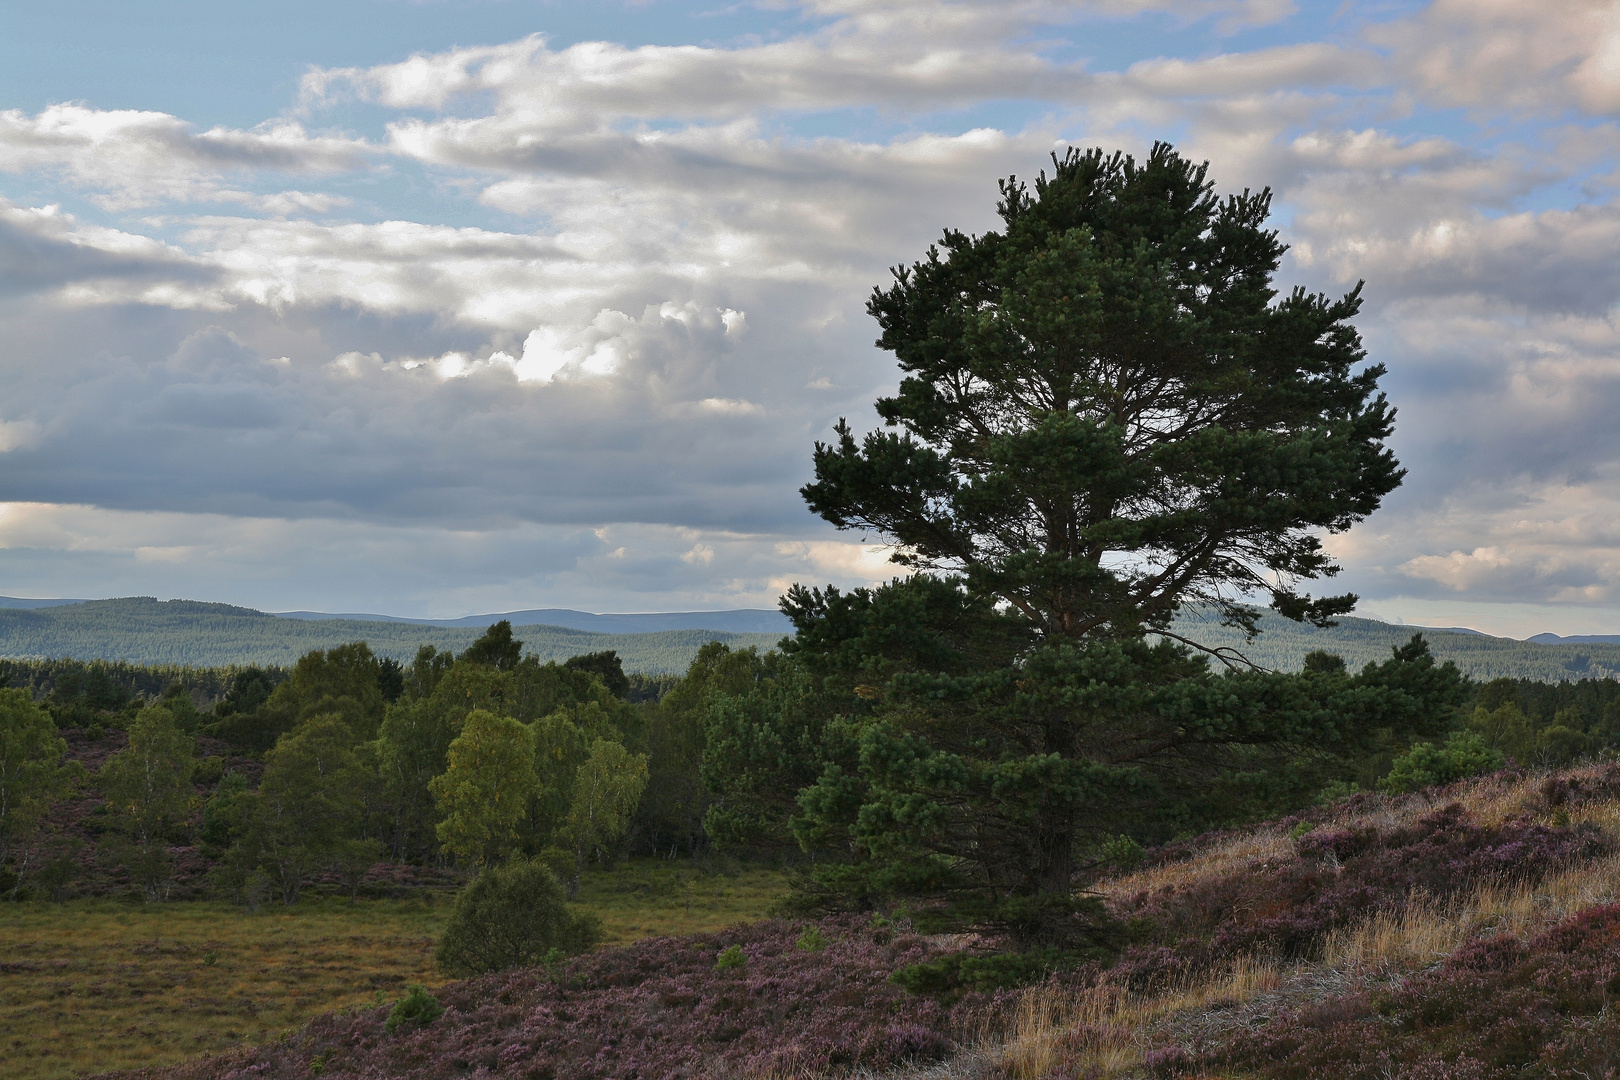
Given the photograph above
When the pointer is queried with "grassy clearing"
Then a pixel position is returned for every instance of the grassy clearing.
(90, 986)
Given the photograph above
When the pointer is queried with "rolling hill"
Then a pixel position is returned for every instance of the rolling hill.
(1283, 644)
(147, 631)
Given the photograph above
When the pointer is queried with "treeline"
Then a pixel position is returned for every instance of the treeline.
(276, 778)
(110, 686)
(280, 778)
(1283, 646)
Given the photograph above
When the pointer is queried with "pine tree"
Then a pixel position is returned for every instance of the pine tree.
(1108, 414)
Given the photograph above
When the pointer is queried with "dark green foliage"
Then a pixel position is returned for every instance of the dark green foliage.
(605, 666)
(220, 814)
(33, 776)
(307, 811)
(949, 977)
(511, 916)
(416, 1009)
(148, 789)
(649, 688)
(1462, 755)
(497, 648)
(1547, 725)
(673, 807)
(1108, 413)
(250, 687)
(390, 678)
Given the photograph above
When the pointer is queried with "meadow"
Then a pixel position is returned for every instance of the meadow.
(94, 985)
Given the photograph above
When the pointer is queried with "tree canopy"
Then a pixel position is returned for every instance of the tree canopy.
(1108, 413)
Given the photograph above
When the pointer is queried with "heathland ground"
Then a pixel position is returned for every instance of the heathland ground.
(94, 985)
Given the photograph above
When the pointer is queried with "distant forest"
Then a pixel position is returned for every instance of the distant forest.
(1282, 646)
(141, 630)
(186, 633)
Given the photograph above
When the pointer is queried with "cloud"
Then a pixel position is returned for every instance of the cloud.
(133, 159)
(570, 317)
(1507, 54)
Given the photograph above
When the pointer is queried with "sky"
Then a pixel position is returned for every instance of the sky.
(434, 308)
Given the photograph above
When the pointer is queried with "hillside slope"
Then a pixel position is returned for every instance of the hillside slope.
(147, 631)
(1467, 933)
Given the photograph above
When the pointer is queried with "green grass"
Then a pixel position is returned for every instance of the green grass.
(90, 986)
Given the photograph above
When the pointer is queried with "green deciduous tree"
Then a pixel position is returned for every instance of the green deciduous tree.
(33, 775)
(149, 795)
(606, 790)
(605, 666)
(1107, 414)
(306, 814)
(483, 795)
(345, 681)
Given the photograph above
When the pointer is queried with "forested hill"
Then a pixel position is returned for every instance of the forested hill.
(1283, 645)
(147, 631)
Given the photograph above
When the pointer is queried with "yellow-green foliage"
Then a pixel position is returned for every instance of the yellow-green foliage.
(486, 790)
(92, 986)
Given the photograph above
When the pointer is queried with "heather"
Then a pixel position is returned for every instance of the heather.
(1469, 931)
(661, 1009)
(92, 985)
(1334, 876)
(1498, 1007)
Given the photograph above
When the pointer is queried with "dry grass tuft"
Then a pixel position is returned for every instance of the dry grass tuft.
(1108, 1030)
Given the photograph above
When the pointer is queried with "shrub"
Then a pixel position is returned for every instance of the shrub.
(416, 1009)
(511, 916)
(1122, 852)
(1464, 754)
(812, 940)
(731, 959)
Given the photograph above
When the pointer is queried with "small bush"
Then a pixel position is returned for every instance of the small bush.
(416, 1009)
(949, 977)
(812, 940)
(1122, 853)
(1464, 754)
(730, 959)
(559, 861)
(208, 770)
(512, 916)
(1334, 790)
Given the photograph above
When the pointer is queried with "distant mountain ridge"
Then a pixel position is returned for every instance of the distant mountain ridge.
(148, 631)
(735, 620)
(1576, 639)
(144, 630)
